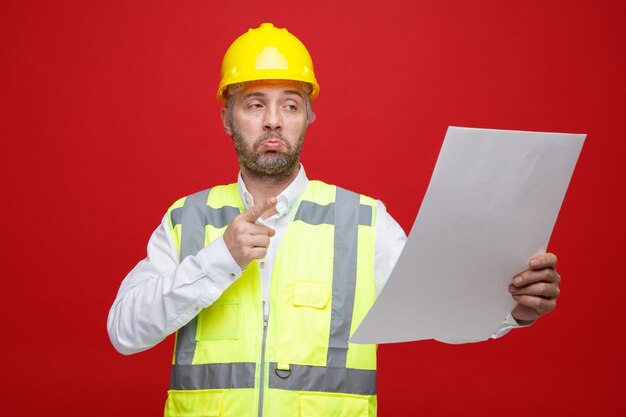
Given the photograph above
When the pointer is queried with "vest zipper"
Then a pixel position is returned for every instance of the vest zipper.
(262, 374)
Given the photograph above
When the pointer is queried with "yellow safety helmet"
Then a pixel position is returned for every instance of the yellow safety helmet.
(266, 53)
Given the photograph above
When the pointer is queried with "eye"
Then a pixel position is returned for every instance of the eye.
(255, 106)
(291, 107)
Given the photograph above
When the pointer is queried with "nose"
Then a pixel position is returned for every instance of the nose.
(272, 119)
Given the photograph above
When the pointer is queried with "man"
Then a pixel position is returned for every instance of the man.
(265, 279)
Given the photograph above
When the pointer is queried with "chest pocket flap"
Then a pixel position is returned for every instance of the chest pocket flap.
(311, 294)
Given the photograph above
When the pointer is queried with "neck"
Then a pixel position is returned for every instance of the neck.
(263, 187)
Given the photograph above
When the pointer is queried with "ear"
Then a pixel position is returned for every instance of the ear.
(312, 117)
(227, 127)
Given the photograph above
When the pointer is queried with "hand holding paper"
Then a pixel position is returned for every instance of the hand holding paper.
(491, 205)
(536, 289)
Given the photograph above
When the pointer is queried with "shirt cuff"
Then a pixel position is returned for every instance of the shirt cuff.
(219, 265)
(507, 325)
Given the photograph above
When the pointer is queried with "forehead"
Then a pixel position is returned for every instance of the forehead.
(275, 88)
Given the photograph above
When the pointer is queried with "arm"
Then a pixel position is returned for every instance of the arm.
(161, 294)
(390, 240)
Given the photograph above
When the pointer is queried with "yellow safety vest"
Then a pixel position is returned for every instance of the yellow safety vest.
(229, 361)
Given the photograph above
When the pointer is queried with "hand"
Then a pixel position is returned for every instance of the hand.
(246, 240)
(536, 289)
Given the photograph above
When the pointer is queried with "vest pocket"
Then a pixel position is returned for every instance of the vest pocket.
(219, 321)
(310, 294)
(333, 405)
(196, 403)
(302, 313)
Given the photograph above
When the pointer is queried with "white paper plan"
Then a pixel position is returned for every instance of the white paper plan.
(491, 204)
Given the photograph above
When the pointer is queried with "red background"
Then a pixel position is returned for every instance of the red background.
(108, 115)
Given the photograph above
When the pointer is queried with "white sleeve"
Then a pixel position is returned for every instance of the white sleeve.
(160, 295)
(390, 240)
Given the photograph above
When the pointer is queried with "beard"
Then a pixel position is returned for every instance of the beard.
(268, 165)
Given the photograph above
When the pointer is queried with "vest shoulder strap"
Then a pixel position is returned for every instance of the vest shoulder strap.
(322, 203)
(189, 216)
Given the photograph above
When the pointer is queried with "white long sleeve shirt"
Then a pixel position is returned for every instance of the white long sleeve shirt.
(161, 294)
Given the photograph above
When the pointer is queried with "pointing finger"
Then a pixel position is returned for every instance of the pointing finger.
(255, 212)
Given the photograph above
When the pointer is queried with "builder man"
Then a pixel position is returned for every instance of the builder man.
(265, 279)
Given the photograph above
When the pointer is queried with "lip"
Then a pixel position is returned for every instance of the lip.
(272, 145)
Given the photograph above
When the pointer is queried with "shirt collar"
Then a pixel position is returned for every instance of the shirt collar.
(286, 200)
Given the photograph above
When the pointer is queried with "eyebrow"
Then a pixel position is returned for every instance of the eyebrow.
(294, 92)
(286, 92)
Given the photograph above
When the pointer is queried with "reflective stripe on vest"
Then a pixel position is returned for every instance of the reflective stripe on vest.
(301, 378)
(213, 376)
(193, 217)
(323, 379)
(345, 214)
